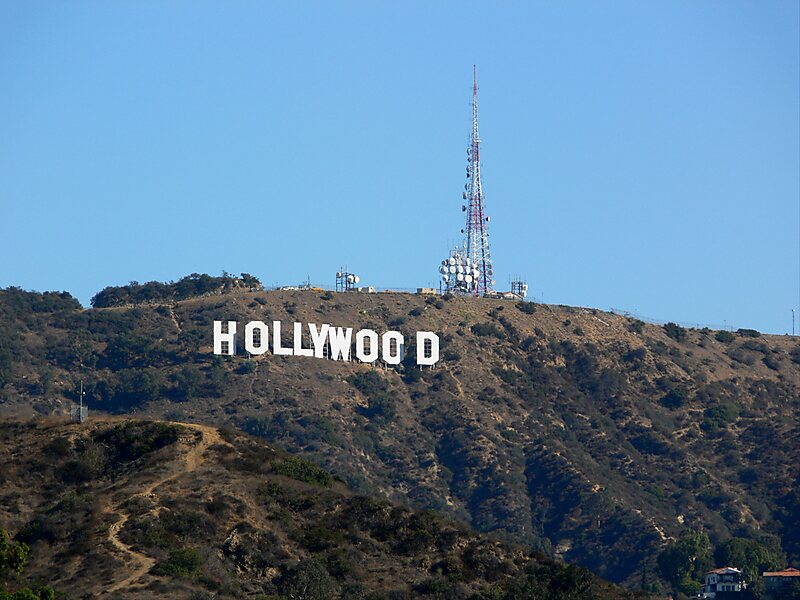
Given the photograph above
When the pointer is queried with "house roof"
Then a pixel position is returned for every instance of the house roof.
(790, 572)
(724, 570)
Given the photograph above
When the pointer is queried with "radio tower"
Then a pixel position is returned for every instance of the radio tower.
(477, 243)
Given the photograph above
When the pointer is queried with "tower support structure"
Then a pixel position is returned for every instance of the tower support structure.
(476, 232)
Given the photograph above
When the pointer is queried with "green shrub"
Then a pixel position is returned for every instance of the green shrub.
(675, 398)
(527, 307)
(488, 329)
(748, 333)
(181, 563)
(302, 470)
(725, 337)
(308, 580)
(675, 331)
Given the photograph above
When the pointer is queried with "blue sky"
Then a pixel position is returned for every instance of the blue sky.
(637, 155)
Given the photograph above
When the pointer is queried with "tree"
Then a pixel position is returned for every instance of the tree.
(684, 561)
(309, 580)
(750, 556)
(13, 555)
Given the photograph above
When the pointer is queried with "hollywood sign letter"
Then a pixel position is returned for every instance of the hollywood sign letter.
(338, 341)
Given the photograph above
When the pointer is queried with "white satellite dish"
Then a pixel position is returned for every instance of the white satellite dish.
(349, 279)
(452, 260)
(338, 273)
(442, 269)
(468, 278)
(356, 279)
(452, 269)
(460, 277)
(444, 277)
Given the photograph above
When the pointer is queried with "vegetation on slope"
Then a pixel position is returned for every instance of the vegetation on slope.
(589, 436)
(229, 517)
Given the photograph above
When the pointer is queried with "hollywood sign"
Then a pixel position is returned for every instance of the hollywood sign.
(336, 343)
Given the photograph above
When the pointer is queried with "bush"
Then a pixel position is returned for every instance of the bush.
(181, 563)
(488, 329)
(675, 331)
(369, 383)
(724, 336)
(527, 307)
(717, 417)
(308, 580)
(675, 398)
(650, 443)
(302, 470)
(748, 333)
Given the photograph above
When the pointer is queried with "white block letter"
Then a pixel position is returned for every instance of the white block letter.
(228, 338)
(388, 357)
(373, 346)
(298, 342)
(340, 342)
(318, 338)
(277, 349)
(250, 337)
(422, 357)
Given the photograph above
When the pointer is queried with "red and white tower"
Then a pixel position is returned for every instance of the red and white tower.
(476, 244)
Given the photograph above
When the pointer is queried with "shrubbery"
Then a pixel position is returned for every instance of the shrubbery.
(724, 336)
(192, 285)
(302, 470)
(675, 331)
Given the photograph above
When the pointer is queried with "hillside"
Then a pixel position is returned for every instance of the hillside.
(587, 435)
(143, 509)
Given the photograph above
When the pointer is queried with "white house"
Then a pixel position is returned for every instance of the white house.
(725, 579)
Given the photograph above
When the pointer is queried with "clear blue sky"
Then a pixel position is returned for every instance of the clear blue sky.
(636, 155)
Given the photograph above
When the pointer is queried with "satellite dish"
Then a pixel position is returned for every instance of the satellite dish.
(356, 278)
(487, 219)
(338, 273)
(442, 269)
(468, 278)
(459, 269)
(452, 269)
(444, 277)
(460, 277)
(452, 261)
(464, 195)
(349, 279)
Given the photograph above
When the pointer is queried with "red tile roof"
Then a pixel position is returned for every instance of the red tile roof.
(723, 570)
(790, 572)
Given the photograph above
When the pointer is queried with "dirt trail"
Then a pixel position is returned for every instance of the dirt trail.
(174, 319)
(142, 563)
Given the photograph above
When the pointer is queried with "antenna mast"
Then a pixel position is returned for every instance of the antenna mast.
(477, 235)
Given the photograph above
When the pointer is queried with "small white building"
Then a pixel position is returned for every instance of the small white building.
(725, 579)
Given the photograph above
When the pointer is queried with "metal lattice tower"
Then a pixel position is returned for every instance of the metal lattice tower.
(477, 235)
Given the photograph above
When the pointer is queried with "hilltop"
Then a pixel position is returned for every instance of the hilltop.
(143, 509)
(586, 435)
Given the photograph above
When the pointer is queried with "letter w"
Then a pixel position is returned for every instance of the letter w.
(340, 342)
